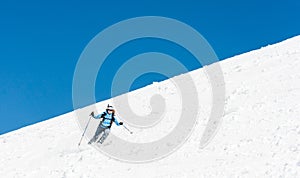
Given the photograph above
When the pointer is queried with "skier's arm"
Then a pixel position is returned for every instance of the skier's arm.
(99, 116)
(117, 122)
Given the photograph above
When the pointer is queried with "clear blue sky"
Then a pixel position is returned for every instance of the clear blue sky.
(41, 42)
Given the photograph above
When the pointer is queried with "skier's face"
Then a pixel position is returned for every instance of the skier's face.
(110, 111)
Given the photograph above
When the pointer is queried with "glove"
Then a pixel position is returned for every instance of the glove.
(121, 123)
(92, 114)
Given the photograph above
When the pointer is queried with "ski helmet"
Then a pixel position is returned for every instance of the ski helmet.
(111, 108)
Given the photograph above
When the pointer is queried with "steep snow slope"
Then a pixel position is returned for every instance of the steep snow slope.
(258, 137)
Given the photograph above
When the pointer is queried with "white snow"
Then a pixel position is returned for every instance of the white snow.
(259, 135)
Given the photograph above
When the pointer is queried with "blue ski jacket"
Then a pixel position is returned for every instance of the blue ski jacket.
(107, 120)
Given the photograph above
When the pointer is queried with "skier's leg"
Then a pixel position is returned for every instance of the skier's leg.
(97, 133)
(104, 136)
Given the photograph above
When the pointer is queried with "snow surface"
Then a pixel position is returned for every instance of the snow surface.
(259, 135)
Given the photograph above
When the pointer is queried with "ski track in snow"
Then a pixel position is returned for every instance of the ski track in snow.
(259, 135)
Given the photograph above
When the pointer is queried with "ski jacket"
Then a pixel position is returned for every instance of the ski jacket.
(107, 120)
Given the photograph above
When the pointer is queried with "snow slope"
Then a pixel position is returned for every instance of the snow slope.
(259, 135)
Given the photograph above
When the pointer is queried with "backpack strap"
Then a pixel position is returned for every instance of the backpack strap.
(103, 115)
(111, 120)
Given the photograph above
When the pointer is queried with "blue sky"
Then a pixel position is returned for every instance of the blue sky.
(42, 41)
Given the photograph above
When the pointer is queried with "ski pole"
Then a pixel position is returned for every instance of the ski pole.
(127, 129)
(84, 131)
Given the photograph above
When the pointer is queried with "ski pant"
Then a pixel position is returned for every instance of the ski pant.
(100, 130)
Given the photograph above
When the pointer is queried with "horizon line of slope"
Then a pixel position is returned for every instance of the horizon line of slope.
(259, 50)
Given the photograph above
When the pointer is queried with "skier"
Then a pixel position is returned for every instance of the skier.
(108, 117)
